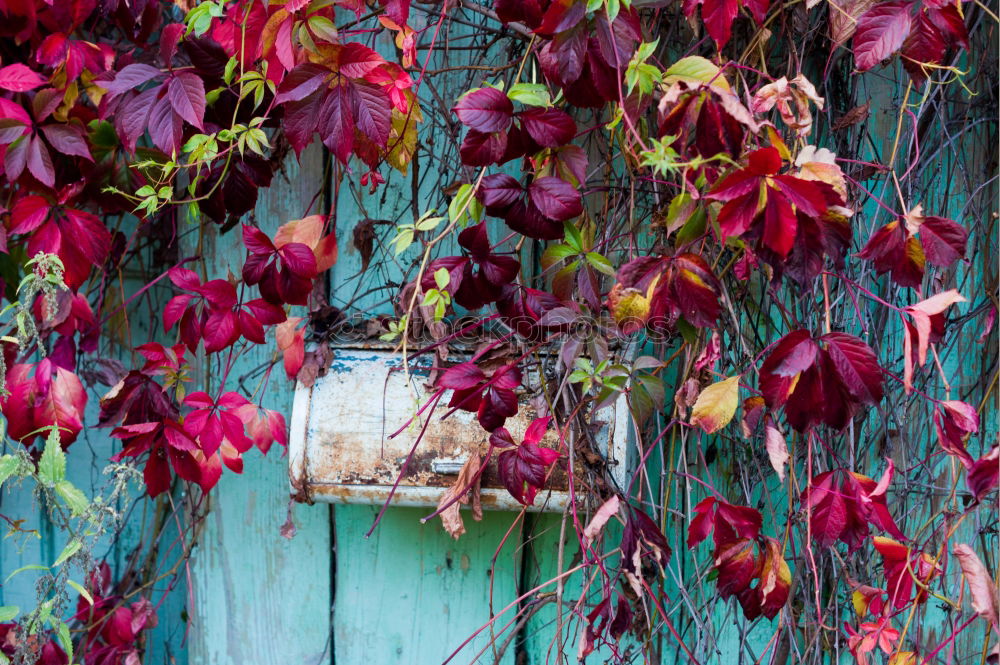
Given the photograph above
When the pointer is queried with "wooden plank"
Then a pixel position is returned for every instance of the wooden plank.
(259, 598)
(411, 594)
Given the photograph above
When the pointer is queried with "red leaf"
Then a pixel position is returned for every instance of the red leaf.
(881, 32)
(702, 523)
(718, 16)
(555, 198)
(550, 127)
(29, 213)
(856, 365)
(536, 430)
(780, 225)
(561, 15)
(498, 192)
(943, 240)
(301, 82)
(479, 149)
(187, 97)
(292, 343)
(563, 57)
(485, 110)
(982, 588)
(836, 380)
(892, 248)
(528, 12)
(130, 77)
(67, 140)
(298, 258)
(336, 122)
(165, 126)
(39, 162)
(461, 377)
(924, 45)
(984, 474)
(52, 396)
(523, 469)
(372, 112)
(19, 78)
(525, 218)
(950, 23)
(825, 502)
(356, 60)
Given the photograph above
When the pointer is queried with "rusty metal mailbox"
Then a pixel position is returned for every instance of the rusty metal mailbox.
(340, 451)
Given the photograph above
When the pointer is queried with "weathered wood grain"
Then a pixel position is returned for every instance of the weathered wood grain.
(260, 599)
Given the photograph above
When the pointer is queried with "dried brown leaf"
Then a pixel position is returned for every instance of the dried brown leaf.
(852, 117)
(983, 589)
(467, 492)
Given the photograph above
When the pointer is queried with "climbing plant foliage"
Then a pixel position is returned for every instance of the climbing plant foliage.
(759, 234)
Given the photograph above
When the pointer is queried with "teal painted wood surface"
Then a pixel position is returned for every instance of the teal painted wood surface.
(412, 594)
(259, 598)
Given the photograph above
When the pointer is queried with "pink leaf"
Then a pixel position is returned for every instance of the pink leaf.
(777, 450)
(982, 587)
(19, 78)
(607, 510)
(880, 33)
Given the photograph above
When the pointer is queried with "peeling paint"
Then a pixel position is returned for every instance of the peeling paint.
(341, 449)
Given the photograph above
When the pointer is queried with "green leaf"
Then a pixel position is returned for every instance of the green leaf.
(573, 237)
(72, 547)
(464, 206)
(530, 94)
(613, 7)
(687, 331)
(431, 297)
(52, 465)
(442, 277)
(199, 19)
(227, 74)
(80, 590)
(8, 612)
(65, 640)
(598, 262)
(403, 240)
(23, 569)
(9, 465)
(694, 227)
(428, 223)
(555, 253)
(323, 28)
(74, 499)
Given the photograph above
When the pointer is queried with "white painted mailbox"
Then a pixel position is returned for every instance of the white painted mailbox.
(340, 448)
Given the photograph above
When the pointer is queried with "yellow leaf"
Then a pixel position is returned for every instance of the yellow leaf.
(716, 405)
(696, 69)
(403, 137)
